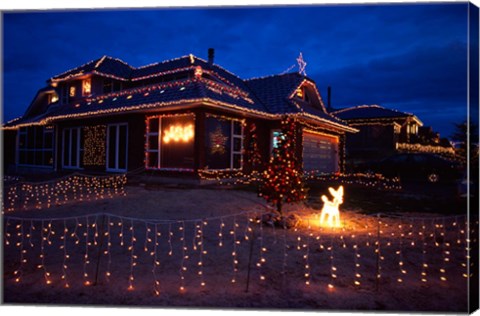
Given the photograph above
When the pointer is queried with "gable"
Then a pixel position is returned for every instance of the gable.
(307, 94)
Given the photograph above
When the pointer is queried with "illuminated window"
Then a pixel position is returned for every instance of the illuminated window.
(52, 98)
(224, 143)
(35, 146)
(72, 91)
(275, 138)
(299, 93)
(170, 142)
(86, 87)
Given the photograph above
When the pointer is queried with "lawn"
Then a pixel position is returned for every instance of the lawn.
(203, 247)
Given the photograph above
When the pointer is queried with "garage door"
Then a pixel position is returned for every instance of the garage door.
(320, 152)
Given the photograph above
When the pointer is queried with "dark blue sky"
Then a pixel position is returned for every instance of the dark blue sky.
(409, 57)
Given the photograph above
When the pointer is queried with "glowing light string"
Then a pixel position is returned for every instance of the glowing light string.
(387, 233)
(66, 256)
(445, 253)
(356, 259)
(170, 235)
(108, 251)
(19, 272)
(306, 257)
(220, 233)
(234, 251)
(424, 254)
(202, 252)
(262, 259)
(399, 252)
(30, 234)
(7, 234)
(147, 238)
(46, 274)
(333, 268)
(156, 262)
(95, 235)
(183, 268)
(133, 257)
(86, 261)
(121, 234)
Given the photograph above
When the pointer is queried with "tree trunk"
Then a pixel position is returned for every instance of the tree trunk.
(279, 207)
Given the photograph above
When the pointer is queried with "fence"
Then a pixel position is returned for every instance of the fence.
(368, 252)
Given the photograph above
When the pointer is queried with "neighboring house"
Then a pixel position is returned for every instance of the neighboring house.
(383, 132)
(177, 117)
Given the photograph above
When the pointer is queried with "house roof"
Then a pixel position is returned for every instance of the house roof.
(160, 95)
(268, 96)
(107, 66)
(274, 91)
(370, 112)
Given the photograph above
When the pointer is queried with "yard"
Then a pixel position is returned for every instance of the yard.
(178, 246)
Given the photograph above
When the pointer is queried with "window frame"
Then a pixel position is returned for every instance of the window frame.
(34, 149)
(158, 135)
(232, 136)
(117, 148)
(79, 148)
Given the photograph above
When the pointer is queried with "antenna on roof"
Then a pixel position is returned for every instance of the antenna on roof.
(301, 65)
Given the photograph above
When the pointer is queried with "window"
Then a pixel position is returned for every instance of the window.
(117, 147)
(72, 91)
(86, 87)
(72, 148)
(64, 94)
(110, 85)
(35, 146)
(276, 136)
(52, 98)
(224, 143)
(170, 142)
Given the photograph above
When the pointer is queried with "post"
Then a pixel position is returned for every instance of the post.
(100, 245)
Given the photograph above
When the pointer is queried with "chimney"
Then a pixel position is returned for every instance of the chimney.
(329, 99)
(211, 55)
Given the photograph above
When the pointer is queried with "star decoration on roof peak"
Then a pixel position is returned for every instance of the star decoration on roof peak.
(301, 65)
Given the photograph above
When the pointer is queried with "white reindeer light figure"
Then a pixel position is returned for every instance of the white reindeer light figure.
(330, 215)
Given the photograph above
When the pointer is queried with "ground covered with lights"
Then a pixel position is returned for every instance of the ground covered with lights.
(171, 246)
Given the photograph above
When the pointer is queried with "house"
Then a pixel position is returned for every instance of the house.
(176, 118)
(383, 132)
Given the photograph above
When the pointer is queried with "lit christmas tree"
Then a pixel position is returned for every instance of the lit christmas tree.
(282, 180)
(252, 152)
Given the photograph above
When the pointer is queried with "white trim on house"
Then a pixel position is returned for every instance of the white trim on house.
(117, 146)
(79, 148)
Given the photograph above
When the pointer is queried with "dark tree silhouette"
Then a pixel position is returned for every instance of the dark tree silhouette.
(462, 138)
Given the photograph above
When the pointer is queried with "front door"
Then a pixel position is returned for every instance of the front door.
(117, 145)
